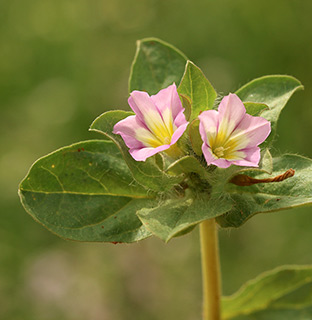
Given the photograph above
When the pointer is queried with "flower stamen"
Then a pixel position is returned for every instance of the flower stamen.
(219, 152)
(167, 140)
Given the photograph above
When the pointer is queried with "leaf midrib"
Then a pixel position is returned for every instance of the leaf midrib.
(87, 194)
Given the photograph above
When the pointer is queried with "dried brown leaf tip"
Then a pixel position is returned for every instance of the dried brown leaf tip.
(244, 180)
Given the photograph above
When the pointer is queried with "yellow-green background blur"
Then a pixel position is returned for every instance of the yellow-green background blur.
(64, 62)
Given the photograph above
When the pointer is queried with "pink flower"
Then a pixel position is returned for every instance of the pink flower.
(158, 122)
(230, 135)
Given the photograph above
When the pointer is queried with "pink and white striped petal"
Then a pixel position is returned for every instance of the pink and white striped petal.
(168, 98)
(231, 111)
(208, 125)
(255, 129)
(143, 106)
(127, 128)
(144, 153)
(251, 158)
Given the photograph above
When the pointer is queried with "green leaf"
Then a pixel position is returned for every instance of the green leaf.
(274, 91)
(255, 109)
(186, 103)
(156, 65)
(174, 216)
(269, 197)
(195, 138)
(188, 164)
(283, 293)
(266, 162)
(147, 173)
(195, 86)
(86, 192)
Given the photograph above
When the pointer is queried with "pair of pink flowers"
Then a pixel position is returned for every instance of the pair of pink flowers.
(229, 135)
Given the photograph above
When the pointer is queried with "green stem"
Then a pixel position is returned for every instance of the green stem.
(210, 270)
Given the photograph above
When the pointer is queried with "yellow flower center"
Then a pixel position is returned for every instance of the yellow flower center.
(225, 146)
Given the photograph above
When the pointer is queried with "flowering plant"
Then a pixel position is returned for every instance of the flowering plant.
(179, 161)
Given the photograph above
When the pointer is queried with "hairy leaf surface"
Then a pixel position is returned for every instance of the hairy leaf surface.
(174, 216)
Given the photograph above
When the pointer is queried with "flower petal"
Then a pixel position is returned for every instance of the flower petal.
(170, 107)
(144, 153)
(144, 107)
(251, 158)
(127, 129)
(168, 98)
(231, 112)
(207, 154)
(254, 129)
(208, 125)
(222, 163)
(178, 133)
(180, 120)
(135, 134)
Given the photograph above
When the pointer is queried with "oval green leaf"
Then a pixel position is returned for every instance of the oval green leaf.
(200, 91)
(156, 65)
(86, 192)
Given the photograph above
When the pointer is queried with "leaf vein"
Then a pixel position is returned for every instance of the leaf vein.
(55, 176)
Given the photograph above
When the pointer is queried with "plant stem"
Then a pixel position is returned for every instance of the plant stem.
(210, 270)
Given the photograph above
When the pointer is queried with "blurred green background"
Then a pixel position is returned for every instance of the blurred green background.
(64, 62)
